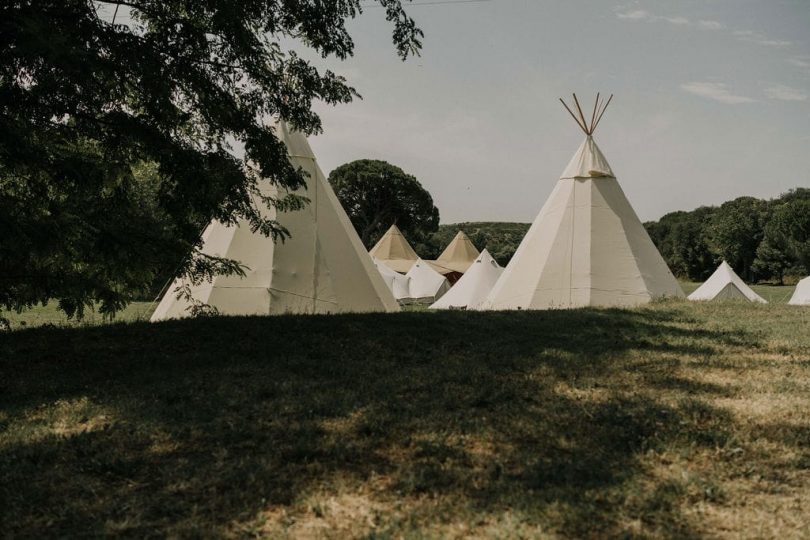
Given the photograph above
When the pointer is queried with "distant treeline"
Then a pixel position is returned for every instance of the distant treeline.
(763, 240)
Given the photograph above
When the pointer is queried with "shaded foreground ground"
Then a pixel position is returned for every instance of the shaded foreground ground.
(673, 420)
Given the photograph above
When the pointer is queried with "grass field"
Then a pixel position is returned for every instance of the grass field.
(140, 311)
(672, 420)
(50, 315)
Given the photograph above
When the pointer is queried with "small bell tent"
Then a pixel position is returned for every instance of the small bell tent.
(725, 284)
(473, 286)
(426, 285)
(398, 284)
(801, 296)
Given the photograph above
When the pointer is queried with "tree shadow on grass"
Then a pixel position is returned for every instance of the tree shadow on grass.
(196, 427)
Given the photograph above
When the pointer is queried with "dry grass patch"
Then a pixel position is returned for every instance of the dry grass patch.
(673, 420)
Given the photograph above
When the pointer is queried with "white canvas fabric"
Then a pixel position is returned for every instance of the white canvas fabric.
(426, 285)
(801, 295)
(725, 284)
(588, 162)
(474, 285)
(586, 247)
(398, 284)
(322, 268)
(394, 250)
(457, 256)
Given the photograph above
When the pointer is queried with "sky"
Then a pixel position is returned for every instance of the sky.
(712, 100)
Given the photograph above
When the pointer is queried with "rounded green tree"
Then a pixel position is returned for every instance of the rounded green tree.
(377, 195)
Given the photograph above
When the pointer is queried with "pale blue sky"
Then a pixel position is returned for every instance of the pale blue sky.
(712, 101)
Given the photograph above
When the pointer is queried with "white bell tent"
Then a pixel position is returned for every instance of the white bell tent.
(725, 284)
(394, 250)
(473, 286)
(398, 284)
(322, 268)
(801, 296)
(426, 285)
(587, 246)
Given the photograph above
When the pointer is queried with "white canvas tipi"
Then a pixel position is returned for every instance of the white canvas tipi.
(586, 247)
(474, 285)
(801, 296)
(426, 285)
(394, 250)
(398, 284)
(322, 268)
(725, 284)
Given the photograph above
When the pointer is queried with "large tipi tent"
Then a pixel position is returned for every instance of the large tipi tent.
(586, 247)
(398, 284)
(459, 254)
(426, 285)
(394, 250)
(322, 268)
(801, 296)
(473, 286)
(725, 284)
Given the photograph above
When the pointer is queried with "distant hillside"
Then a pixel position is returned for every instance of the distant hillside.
(500, 238)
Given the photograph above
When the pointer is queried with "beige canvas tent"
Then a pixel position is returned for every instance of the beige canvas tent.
(459, 254)
(725, 284)
(456, 258)
(394, 250)
(426, 284)
(322, 268)
(801, 296)
(473, 286)
(587, 246)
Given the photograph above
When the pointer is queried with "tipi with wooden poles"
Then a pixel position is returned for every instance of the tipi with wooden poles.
(587, 247)
(394, 250)
(322, 268)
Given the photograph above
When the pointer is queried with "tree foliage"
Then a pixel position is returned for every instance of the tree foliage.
(735, 231)
(785, 246)
(376, 195)
(87, 105)
(682, 240)
(760, 239)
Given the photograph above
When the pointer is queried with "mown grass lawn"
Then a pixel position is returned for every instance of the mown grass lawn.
(50, 314)
(672, 420)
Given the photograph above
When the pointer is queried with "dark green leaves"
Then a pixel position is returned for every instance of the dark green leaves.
(115, 138)
(376, 195)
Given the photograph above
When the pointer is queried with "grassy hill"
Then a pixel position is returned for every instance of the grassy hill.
(671, 420)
